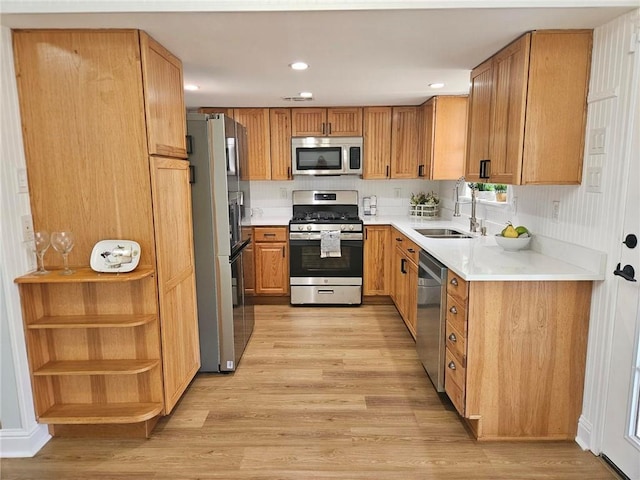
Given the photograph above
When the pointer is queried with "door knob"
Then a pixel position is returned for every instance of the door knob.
(628, 273)
(631, 241)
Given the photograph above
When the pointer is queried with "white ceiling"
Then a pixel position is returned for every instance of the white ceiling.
(356, 56)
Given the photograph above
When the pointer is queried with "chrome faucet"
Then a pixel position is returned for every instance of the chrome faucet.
(456, 207)
(473, 221)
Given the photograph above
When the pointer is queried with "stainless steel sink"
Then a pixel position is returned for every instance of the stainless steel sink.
(441, 233)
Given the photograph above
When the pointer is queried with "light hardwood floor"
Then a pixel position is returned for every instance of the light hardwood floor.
(321, 393)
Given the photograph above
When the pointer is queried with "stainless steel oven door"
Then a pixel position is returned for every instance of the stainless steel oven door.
(305, 260)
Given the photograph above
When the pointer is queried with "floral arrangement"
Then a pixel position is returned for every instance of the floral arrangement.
(421, 198)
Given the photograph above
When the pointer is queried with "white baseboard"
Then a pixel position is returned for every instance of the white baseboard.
(16, 442)
(583, 438)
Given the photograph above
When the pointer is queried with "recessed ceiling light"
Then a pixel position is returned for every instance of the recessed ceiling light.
(436, 85)
(191, 87)
(299, 66)
(306, 94)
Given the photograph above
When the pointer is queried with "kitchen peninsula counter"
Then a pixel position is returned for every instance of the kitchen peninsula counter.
(482, 259)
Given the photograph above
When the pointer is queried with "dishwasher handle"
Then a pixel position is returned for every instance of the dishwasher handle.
(433, 267)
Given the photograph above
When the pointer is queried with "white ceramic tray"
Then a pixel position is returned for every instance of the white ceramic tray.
(115, 256)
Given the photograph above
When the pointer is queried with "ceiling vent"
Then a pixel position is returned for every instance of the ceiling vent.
(297, 99)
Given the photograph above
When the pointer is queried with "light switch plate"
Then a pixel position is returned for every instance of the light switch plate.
(23, 184)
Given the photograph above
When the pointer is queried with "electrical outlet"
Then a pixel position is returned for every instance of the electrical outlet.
(514, 203)
(27, 228)
(283, 192)
(555, 212)
(396, 192)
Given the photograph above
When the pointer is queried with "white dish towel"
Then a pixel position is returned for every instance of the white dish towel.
(330, 243)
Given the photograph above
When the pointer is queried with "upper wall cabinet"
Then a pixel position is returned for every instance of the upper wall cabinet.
(527, 110)
(332, 122)
(164, 99)
(404, 142)
(280, 120)
(377, 143)
(442, 123)
(256, 121)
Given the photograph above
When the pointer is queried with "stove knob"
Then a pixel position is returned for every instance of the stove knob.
(299, 227)
(351, 227)
(342, 227)
(308, 227)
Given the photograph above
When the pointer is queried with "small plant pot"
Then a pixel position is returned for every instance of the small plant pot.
(501, 196)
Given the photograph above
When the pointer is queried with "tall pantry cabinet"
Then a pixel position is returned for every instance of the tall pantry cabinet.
(104, 133)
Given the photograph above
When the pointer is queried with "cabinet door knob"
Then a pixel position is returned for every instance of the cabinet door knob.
(453, 310)
(452, 365)
(453, 337)
(454, 282)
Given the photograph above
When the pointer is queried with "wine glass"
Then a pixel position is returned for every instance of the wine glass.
(41, 241)
(62, 242)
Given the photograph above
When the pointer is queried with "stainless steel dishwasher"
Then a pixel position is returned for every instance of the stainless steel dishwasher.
(431, 321)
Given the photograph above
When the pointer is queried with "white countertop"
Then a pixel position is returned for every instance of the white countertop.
(481, 259)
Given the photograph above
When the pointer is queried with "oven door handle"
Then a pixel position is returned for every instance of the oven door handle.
(344, 237)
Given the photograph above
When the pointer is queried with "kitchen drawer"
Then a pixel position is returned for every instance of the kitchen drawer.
(454, 369)
(269, 234)
(409, 248)
(457, 287)
(457, 315)
(456, 344)
(455, 394)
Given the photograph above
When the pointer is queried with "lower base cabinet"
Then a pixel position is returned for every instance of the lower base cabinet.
(271, 257)
(515, 356)
(404, 290)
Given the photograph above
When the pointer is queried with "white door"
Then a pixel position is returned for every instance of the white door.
(621, 438)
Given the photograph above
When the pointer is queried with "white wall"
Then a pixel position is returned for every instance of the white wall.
(586, 218)
(20, 435)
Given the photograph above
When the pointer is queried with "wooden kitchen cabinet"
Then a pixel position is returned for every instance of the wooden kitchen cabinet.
(527, 110)
(442, 123)
(404, 142)
(377, 143)
(405, 279)
(331, 122)
(378, 253)
(164, 99)
(256, 121)
(515, 356)
(280, 133)
(271, 256)
(107, 348)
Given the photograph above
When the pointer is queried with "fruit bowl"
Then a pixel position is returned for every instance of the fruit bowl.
(513, 244)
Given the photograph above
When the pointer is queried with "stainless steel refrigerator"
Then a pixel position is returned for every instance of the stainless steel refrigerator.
(220, 194)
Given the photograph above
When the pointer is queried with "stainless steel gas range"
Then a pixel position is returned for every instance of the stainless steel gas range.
(325, 248)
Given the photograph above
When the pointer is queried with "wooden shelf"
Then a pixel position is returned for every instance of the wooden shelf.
(81, 413)
(86, 275)
(96, 367)
(91, 321)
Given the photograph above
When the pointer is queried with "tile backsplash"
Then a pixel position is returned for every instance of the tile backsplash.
(273, 198)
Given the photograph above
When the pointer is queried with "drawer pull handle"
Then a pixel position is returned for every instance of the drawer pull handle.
(398, 239)
(454, 282)
(453, 338)
(452, 365)
(453, 310)
(411, 250)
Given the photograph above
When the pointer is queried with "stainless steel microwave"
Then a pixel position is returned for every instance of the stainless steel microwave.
(326, 155)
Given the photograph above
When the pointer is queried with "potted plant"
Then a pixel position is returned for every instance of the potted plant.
(501, 192)
(424, 205)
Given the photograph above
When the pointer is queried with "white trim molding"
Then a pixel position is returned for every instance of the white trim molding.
(16, 442)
